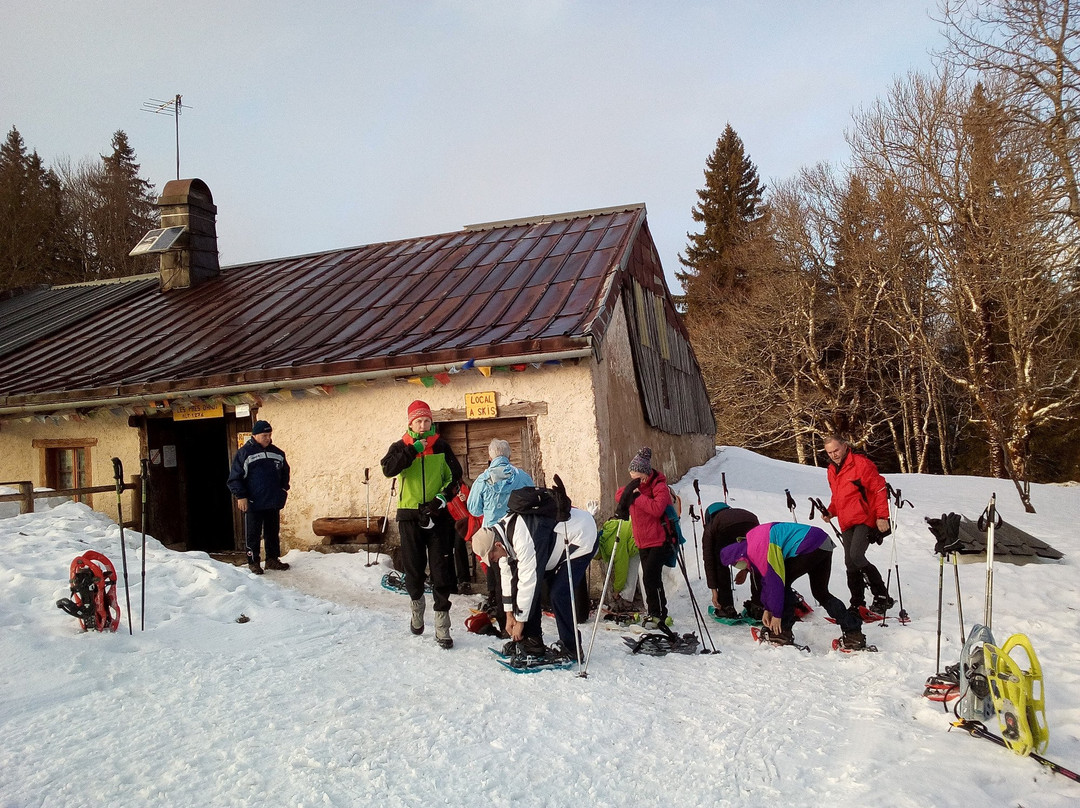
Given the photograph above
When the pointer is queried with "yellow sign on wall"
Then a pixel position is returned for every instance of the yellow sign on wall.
(481, 405)
(194, 410)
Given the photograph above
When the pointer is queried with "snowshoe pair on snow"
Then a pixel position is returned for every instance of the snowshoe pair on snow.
(531, 655)
(93, 593)
(663, 642)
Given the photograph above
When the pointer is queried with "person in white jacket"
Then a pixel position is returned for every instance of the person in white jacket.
(535, 550)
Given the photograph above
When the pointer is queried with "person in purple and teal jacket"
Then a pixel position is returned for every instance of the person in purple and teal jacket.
(780, 553)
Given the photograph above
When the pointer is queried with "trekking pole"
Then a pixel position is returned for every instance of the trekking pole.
(959, 604)
(573, 599)
(894, 496)
(701, 514)
(699, 618)
(988, 522)
(367, 491)
(791, 505)
(118, 474)
(815, 502)
(693, 524)
(584, 674)
(940, 585)
(386, 520)
(145, 480)
(723, 484)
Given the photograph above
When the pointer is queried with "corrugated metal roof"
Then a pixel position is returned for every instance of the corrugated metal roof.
(510, 289)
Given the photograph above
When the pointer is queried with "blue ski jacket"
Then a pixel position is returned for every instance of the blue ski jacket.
(261, 476)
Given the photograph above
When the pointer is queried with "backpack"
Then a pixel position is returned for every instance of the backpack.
(552, 503)
(93, 593)
(675, 538)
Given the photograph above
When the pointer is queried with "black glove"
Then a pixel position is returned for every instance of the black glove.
(629, 494)
(562, 500)
(947, 532)
(430, 509)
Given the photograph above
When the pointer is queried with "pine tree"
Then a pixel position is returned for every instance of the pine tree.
(32, 234)
(123, 211)
(730, 208)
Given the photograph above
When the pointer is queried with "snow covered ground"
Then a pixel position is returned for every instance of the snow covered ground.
(325, 699)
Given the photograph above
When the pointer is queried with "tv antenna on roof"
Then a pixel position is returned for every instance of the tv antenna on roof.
(175, 106)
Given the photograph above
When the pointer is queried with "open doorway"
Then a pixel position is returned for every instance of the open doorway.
(190, 504)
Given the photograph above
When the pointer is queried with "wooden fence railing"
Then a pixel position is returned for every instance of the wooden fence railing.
(27, 495)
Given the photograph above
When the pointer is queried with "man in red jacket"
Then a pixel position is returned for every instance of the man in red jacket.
(860, 503)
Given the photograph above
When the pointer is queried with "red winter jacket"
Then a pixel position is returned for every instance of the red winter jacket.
(853, 505)
(646, 510)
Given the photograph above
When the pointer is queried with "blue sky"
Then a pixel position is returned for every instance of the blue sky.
(348, 123)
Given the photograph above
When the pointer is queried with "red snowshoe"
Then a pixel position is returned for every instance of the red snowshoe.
(93, 593)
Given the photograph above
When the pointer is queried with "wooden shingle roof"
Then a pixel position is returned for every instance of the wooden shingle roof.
(508, 290)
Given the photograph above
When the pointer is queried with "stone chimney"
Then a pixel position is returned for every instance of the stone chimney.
(188, 203)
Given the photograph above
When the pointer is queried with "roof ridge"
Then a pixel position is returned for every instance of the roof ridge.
(553, 217)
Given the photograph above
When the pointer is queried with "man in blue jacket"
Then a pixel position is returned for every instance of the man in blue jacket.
(260, 482)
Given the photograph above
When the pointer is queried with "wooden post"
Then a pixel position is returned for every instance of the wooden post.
(27, 491)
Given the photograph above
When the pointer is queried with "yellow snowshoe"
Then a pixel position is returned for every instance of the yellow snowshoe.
(1017, 695)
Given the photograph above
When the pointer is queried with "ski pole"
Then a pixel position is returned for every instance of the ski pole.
(118, 474)
(573, 600)
(815, 502)
(791, 505)
(723, 484)
(701, 514)
(693, 525)
(600, 607)
(145, 480)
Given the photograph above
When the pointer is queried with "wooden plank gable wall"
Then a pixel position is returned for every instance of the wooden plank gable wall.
(673, 392)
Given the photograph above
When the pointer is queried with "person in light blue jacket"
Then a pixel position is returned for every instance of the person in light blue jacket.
(489, 498)
(490, 492)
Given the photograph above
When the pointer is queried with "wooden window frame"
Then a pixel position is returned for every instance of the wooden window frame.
(45, 445)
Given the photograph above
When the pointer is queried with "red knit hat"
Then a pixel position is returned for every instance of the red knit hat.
(418, 409)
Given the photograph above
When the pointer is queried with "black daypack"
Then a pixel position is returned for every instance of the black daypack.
(552, 503)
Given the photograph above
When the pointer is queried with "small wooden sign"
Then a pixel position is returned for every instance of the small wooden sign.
(194, 410)
(481, 405)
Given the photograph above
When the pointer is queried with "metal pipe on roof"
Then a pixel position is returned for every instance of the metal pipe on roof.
(254, 387)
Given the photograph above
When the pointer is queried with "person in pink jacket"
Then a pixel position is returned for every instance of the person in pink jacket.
(643, 500)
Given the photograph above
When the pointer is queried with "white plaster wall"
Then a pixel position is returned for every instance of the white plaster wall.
(19, 460)
(329, 440)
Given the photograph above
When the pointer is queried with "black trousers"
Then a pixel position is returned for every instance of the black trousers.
(652, 578)
(423, 549)
(258, 524)
(856, 541)
(817, 566)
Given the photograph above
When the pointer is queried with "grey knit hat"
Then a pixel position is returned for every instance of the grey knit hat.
(642, 462)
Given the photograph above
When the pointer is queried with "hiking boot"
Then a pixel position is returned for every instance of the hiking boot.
(882, 604)
(530, 650)
(255, 568)
(416, 618)
(560, 653)
(442, 630)
(510, 649)
(727, 612)
(853, 641)
(276, 564)
(620, 606)
(782, 637)
(652, 621)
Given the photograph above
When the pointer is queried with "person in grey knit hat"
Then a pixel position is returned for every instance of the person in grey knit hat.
(643, 501)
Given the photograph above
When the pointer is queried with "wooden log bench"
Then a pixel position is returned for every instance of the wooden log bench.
(349, 529)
